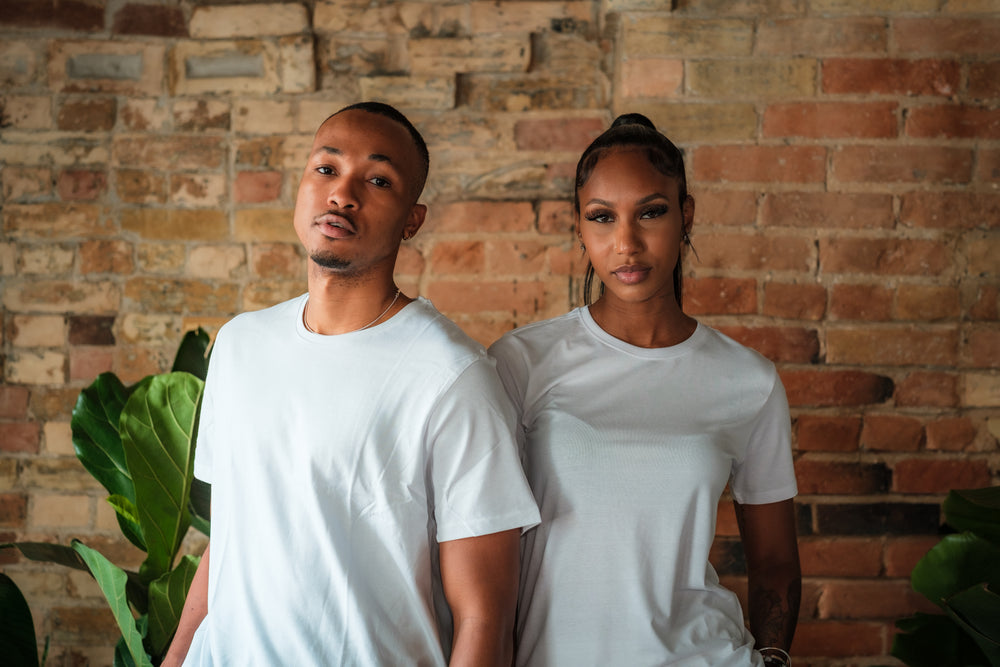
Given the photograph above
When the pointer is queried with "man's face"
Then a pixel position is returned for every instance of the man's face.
(356, 198)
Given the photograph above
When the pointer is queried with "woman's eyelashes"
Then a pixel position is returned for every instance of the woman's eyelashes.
(648, 213)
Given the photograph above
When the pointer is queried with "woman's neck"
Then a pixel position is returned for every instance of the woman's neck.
(650, 324)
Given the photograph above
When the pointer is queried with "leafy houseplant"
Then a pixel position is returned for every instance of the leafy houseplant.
(961, 574)
(138, 442)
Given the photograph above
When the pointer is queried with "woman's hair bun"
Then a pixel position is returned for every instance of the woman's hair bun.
(633, 119)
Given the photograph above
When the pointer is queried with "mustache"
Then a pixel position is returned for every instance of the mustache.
(339, 212)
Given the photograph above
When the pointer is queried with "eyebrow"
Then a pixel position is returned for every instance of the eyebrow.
(649, 198)
(375, 157)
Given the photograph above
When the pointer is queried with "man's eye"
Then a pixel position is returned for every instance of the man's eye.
(380, 182)
(326, 171)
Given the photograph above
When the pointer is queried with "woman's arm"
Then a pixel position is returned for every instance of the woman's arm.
(773, 574)
(195, 609)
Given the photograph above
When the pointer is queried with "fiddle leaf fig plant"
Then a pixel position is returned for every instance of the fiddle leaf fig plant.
(139, 441)
(961, 574)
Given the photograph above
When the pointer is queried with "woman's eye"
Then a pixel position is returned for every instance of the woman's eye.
(599, 216)
(654, 212)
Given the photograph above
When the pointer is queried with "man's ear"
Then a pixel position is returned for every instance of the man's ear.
(415, 220)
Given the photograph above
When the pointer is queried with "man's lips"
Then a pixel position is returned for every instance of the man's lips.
(335, 224)
(631, 273)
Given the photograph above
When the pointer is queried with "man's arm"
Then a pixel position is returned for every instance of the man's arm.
(195, 609)
(773, 574)
(480, 578)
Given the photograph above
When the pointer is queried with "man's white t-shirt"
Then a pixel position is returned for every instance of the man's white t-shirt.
(337, 464)
(628, 451)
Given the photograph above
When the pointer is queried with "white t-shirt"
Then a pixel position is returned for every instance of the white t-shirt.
(337, 464)
(628, 450)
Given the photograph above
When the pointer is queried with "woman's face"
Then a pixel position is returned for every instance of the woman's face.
(631, 223)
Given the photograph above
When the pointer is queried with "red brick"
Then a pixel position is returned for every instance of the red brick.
(106, 257)
(938, 476)
(982, 302)
(515, 258)
(828, 210)
(953, 122)
(92, 330)
(409, 261)
(253, 187)
(984, 80)
(928, 389)
(725, 207)
(795, 36)
(9, 556)
(566, 260)
(840, 557)
(836, 477)
(556, 134)
(282, 260)
(893, 346)
(13, 402)
(830, 388)
(704, 296)
(77, 15)
(903, 553)
(988, 166)
(982, 348)
(950, 210)
(827, 434)
(779, 344)
(170, 151)
(522, 299)
(755, 252)
(891, 77)
(86, 363)
(556, 217)
(902, 164)
(772, 164)
(954, 434)
(869, 303)
(892, 433)
(838, 639)
(13, 510)
(154, 20)
(81, 184)
(88, 115)
(927, 303)
(946, 35)
(794, 301)
(21, 437)
(458, 257)
(480, 216)
(818, 120)
(884, 256)
(871, 600)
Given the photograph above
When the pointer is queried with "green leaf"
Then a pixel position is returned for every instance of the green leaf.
(933, 640)
(113, 581)
(166, 602)
(49, 553)
(954, 564)
(977, 612)
(17, 630)
(96, 436)
(201, 505)
(191, 355)
(157, 426)
(976, 511)
(128, 519)
(122, 657)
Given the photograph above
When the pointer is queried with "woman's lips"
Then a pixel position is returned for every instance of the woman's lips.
(631, 274)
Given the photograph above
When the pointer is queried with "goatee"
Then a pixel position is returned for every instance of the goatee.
(330, 261)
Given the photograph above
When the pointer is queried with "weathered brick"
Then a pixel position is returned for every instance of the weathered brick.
(53, 402)
(54, 296)
(106, 257)
(927, 303)
(869, 303)
(409, 262)
(530, 16)
(260, 116)
(44, 259)
(983, 257)
(268, 225)
(892, 346)
(840, 557)
(833, 477)
(115, 67)
(513, 92)
(820, 120)
(458, 257)
(36, 367)
(86, 363)
(266, 294)
(198, 190)
(27, 112)
(254, 187)
(169, 151)
(653, 35)
(831, 388)
(32, 151)
(715, 122)
(981, 348)
(838, 638)
(725, 207)
(522, 299)
(779, 344)
(297, 60)
(705, 296)
(557, 134)
(884, 256)
(201, 115)
(951, 434)
(939, 476)
(65, 14)
(411, 92)
(891, 76)
(56, 510)
(829, 36)
(247, 67)
(892, 433)
(652, 77)
(823, 433)
(87, 115)
(953, 122)
(780, 164)
(13, 510)
(26, 183)
(771, 78)
(91, 330)
(83, 625)
(950, 210)
(13, 402)
(480, 216)
(169, 224)
(981, 390)
(566, 259)
(515, 258)
(794, 301)
(217, 261)
(756, 252)
(903, 553)
(946, 35)
(556, 217)
(143, 115)
(81, 184)
(280, 260)
(928, 388)
(153, 20)
(872, 599)
(19, 62)
(150, 330)
(19, 437)
(176, 296)
(902, 164)
(38, 330)
(222, 22)
(984, 80)
(55, 221)
(57, 438)
(486, 53)
(981, 302)
(140, 187)
(888, 518)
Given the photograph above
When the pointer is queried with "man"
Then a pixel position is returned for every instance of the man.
(367, 498)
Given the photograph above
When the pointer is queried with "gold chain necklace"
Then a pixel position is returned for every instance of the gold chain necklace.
(380, 316)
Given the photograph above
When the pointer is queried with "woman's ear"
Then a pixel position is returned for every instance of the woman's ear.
(687, 210)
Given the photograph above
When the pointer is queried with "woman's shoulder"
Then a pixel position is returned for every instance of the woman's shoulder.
(539, 334)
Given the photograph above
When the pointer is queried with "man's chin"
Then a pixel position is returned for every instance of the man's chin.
(330, 262)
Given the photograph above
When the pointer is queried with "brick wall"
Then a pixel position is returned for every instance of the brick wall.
(845, 156)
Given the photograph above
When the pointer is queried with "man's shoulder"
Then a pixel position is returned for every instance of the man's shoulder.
(255, 321)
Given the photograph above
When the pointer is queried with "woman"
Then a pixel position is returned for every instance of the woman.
(634, 417)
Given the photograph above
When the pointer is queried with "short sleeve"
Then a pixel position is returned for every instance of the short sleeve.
(765, 474)
(206, 421)
(513, 372)
(478, 484)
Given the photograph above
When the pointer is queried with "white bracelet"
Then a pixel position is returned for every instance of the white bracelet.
(783, 654)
